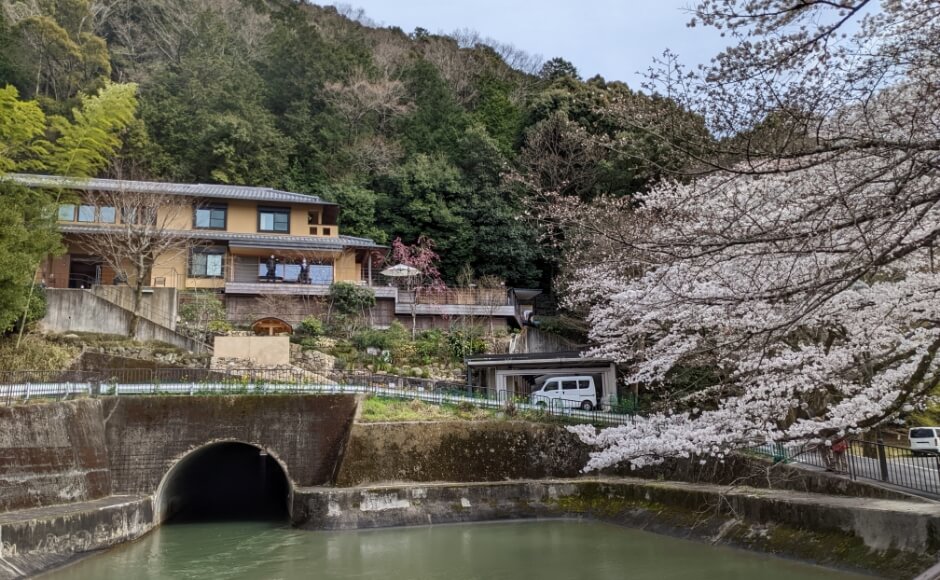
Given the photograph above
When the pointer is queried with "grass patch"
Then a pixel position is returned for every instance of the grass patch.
(382, 410)
(35, 354)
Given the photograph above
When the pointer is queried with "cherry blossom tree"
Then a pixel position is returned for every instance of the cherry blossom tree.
(795, 258)
(422, 257)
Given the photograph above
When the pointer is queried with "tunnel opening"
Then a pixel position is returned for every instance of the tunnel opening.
(225, 481)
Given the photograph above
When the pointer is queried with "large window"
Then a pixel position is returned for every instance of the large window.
(67, 212)
(210, 217)
(86, 213)
(274, 219)
(207, 263)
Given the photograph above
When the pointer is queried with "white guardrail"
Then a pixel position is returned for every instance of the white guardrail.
(26, 391)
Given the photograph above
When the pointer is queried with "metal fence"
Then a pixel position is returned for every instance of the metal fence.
(866, 460)
(24, 386)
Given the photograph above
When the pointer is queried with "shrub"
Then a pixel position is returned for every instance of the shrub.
(311, 326)
(350, 299)
(464, 343)
(430, 344)
(371, 338)
(203, 315)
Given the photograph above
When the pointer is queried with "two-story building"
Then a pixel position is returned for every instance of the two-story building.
(235, 229)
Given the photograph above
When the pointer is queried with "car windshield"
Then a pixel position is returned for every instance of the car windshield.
(921, 433)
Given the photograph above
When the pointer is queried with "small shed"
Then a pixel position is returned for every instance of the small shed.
(271, 327)
(520, 374)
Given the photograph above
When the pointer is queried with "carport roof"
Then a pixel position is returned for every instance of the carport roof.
(571, 357)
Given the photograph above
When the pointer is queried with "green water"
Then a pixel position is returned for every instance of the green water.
(543, 550)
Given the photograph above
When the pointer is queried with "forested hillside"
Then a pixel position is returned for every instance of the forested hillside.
(413, 133)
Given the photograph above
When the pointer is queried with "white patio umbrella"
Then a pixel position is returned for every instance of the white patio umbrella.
(400, 271)
(409, 274)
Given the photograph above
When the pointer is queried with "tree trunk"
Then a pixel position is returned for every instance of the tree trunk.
(138, 299)
(144, 269)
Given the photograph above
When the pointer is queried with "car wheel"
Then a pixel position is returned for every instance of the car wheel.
(586, 405)
(541, 405)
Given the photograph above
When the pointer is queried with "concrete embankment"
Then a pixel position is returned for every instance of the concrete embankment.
(893, 538)
(38, 539)
(84, 475)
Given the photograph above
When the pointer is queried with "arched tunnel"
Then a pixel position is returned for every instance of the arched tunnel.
(224, 481)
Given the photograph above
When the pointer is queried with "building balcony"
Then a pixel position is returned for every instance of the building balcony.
(295, 289)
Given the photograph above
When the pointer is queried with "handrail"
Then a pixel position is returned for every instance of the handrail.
(865, 460)
(22, 386)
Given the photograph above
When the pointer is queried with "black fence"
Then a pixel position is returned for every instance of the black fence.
(24, 386)
(866, 460)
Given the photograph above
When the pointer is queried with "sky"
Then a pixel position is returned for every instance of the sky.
(617, 39)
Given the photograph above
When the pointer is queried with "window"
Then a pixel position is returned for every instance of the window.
(569, 385)
(210, 218)
(206, 263)
(67, 212)
(921, 433)
(274, 219)
(107, 215)
(584, 384)
(128, 215)
(86, 213)
(552, 386)
(326, 231)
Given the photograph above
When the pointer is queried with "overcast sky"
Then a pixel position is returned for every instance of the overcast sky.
(615, 38)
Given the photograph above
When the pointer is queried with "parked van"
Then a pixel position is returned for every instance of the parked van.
(575, 391)
(925, 440)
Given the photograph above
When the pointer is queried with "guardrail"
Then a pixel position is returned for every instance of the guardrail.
(23, 386)
(865, 460)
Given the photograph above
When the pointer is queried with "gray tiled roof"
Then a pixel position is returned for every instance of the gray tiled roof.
(265, 194)
(250, 240)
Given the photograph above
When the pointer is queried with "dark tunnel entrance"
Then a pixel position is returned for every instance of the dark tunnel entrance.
(225, 481)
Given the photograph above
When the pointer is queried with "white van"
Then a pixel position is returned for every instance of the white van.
(569, 392)
(925, 440)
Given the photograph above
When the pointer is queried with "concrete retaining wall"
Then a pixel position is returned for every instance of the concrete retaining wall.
(82, 311)
(506, 450)
(158, 305)
(52, 454)
(894, 538)
(459, 451)
(39, 539)
(260, 350)
(147, 435)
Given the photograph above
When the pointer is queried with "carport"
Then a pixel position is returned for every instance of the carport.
(518, 374)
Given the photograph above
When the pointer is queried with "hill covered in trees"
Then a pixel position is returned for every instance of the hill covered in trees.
(415, 133)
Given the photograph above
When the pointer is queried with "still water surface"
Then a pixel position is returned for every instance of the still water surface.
(543, 550)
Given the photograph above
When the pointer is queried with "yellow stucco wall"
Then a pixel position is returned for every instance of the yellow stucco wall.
(345, 268)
